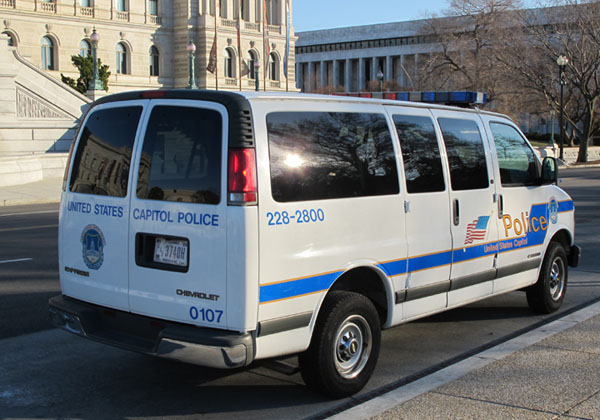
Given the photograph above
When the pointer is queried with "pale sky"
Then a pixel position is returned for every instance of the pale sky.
(325, 14)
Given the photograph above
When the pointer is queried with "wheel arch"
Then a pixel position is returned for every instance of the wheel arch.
(369, 281)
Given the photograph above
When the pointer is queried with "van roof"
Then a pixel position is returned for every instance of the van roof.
(228, 98)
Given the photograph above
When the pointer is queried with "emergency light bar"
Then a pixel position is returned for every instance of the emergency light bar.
(456, 98)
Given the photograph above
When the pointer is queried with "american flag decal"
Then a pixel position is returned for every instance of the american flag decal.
(477, 229)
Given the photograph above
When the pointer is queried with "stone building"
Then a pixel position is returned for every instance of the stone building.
(145, 41)
(352, 57)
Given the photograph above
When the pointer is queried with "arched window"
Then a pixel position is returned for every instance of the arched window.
(252, 60)
(11, 39)
(153, 61)
(84, 49)
(273, 66)
(48, 54)
(229, 63)
(121, 51)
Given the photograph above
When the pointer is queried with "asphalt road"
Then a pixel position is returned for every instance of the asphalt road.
(51, 373)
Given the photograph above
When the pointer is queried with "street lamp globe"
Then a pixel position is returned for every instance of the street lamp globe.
(191, 48)
(562, 60)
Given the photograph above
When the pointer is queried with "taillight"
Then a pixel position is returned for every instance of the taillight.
(66, 175)
(241, 177)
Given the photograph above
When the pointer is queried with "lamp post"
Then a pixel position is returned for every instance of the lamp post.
(95, 83)
(256, 68)
(380, 78)
(191, 49)
(562, 62)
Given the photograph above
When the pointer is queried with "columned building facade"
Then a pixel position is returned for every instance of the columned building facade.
(349, 59)
(145, 42)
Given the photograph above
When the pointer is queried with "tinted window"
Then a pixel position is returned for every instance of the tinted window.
(515, 158)
(103, 156)
(181, 158)
(420, 153)
(322, 155)
(466, 155)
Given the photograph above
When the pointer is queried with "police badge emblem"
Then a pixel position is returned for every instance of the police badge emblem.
(92, 240)
(553, 210)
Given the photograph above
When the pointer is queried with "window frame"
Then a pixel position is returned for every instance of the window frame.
(48, 52)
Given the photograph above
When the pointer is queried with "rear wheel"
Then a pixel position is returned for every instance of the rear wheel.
(344, 347)
(547, 294)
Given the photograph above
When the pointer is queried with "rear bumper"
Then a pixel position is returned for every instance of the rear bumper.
(201, 346)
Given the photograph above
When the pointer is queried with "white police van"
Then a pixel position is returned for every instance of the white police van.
(222, 228)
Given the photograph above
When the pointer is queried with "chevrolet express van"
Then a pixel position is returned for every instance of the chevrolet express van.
(222, 228)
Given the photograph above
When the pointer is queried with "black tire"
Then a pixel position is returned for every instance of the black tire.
(547, 294)
(345, 345)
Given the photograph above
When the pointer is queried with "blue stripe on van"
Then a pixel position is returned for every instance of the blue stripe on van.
(566, 206)
(313, 284)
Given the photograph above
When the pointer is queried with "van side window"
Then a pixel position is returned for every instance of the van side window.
(466, 155)
(107, 138)
(420, 153)
(516, 160)
(324, 155)
(181, 157)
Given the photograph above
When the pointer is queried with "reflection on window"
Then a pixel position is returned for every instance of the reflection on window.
(154, 61)
(518, 165)
(466, 155)
(107, 138)
(84, 48)
(324, 155)
(181, 157)
(420, 153)
(47, 54)
(121, 56)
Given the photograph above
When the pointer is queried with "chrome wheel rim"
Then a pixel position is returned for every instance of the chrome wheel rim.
(556, 282)
(352, 346)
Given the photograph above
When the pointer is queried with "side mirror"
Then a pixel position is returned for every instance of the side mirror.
(549, 171)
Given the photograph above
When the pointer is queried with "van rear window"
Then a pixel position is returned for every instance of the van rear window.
(101, 164)
(181, 157)
(325, 155)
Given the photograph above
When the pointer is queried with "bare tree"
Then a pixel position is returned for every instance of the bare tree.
(470, 38)
(572, 29)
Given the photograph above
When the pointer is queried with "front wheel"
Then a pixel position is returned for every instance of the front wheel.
(547, 294)
(344, 347)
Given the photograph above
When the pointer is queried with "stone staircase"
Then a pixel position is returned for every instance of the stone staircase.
(38, 119)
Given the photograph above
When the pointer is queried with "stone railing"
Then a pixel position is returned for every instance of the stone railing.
(230, 82)
(86, 11)
(122, 15)
(274, 29)
(252, 26)
(155, 20)
(274, 84)
(228, 22)
(47, 6)
(7, 3)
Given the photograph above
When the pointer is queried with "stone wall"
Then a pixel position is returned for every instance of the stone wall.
(38, 119)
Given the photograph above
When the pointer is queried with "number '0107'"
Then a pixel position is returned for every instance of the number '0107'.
(206, 315)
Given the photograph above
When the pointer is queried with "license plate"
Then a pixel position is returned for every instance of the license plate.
(171, 252)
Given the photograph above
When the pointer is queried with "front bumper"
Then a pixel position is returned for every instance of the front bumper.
(201, 346)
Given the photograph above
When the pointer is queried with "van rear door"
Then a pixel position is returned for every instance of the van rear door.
(95, 207)
(177, 225)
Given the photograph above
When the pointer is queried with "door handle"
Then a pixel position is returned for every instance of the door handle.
(500, 206)
(456, 212)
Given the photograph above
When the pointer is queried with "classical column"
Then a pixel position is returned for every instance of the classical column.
(323, 74)
(311, 78)
(299, 77)
(361, 74)
(401, 72)
(348, 75)
(389, 68)
(336, 71)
